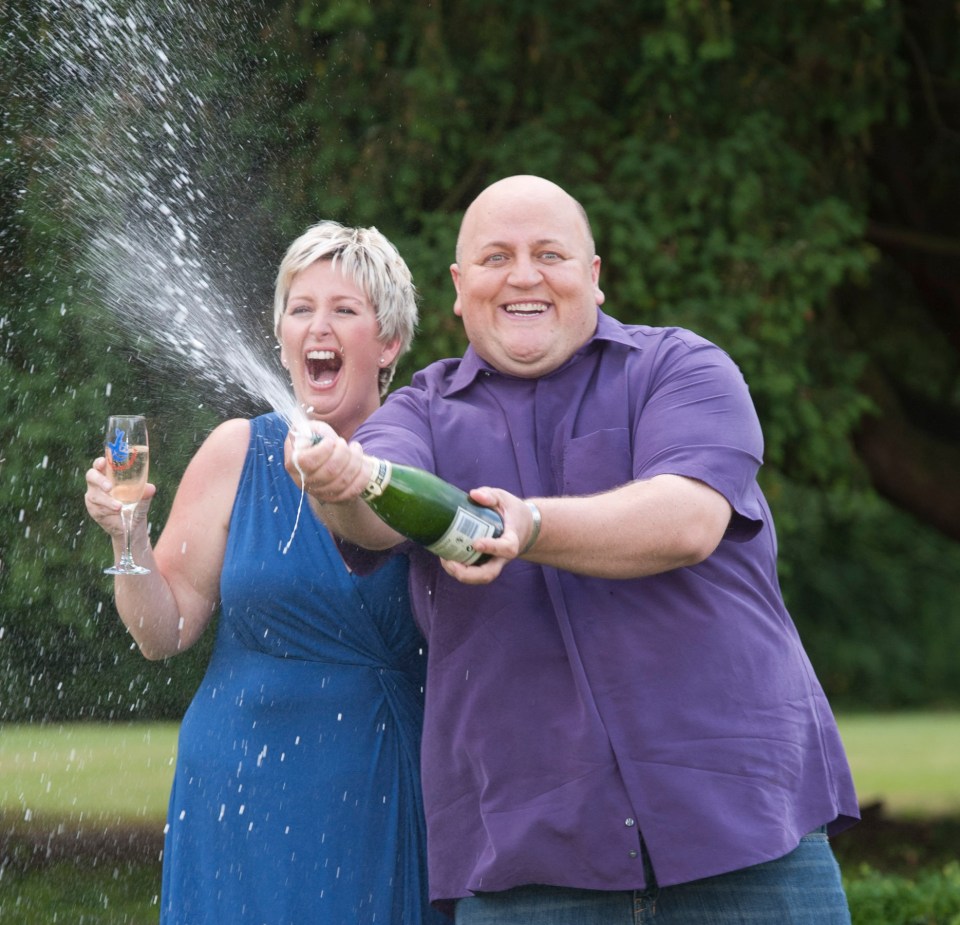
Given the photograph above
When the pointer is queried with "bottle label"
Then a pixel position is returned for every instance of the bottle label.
(457, 542)
(379, 479)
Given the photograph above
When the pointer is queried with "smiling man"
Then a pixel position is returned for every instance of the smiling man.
(622, 725)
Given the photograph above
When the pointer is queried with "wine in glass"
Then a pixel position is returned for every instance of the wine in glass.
(128, 459)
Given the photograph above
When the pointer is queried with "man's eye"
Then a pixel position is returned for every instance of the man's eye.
(550, 255)
(494, 258)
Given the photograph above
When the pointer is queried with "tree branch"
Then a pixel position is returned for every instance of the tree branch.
(888, 236)
(911, 467)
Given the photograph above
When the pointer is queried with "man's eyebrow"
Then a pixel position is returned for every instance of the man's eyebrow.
(540, 242)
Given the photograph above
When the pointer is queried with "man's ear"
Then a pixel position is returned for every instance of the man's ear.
(455, 275)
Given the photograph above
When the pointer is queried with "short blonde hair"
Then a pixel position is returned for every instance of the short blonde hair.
(366, 257)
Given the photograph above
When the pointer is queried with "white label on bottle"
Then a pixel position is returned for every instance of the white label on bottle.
(380, 474)
(457, 542)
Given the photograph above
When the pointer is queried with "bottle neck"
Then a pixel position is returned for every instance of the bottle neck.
(380, 472)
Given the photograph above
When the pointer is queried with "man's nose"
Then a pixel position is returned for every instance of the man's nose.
(524, 272)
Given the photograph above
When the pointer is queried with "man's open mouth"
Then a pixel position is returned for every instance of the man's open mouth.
(323, 365)
(525, 309)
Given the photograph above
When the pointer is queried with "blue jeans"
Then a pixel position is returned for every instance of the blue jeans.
(802, 888)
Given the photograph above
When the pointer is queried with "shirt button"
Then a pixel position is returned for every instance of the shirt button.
(629, 822)
(633, 854)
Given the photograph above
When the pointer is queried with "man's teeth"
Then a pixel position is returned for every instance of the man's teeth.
(526, 308)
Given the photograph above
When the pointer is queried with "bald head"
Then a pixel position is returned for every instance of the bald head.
(530, 190)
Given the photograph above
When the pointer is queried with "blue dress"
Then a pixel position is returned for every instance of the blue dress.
(296, 795)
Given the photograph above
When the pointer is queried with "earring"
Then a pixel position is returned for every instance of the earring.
(382, 361)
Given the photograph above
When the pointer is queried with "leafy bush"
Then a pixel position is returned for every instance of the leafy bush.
(932, 898)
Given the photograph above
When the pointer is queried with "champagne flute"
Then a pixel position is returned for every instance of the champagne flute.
(128, 458)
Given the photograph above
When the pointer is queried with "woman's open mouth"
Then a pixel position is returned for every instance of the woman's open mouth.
(322, 367)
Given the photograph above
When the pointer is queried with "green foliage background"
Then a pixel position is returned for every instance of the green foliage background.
(723, 153)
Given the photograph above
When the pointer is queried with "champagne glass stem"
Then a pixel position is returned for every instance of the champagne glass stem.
(126, 565)
(126, 518)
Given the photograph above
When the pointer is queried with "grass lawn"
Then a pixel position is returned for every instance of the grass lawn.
(100, 773)
(82, 809)
(80, 894)
(908, 761)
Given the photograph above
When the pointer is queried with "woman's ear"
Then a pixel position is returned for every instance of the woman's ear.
(389, 351)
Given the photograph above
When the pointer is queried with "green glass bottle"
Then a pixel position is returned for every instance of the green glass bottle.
(429, 511)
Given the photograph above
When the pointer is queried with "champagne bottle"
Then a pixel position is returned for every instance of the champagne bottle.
(429, 511)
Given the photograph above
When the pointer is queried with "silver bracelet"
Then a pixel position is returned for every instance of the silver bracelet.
(535, 533)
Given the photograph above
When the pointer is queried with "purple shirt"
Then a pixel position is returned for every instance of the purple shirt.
(566, 714)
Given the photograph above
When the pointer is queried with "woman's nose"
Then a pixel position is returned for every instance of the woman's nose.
(320, 321)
